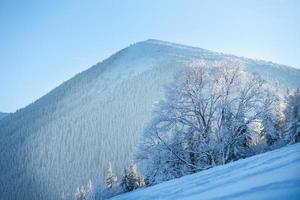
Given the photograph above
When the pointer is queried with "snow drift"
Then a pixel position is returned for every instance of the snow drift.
(69, 135)
(273, 175)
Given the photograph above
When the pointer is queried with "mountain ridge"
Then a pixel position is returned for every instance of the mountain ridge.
(174, 45)
(162, 42)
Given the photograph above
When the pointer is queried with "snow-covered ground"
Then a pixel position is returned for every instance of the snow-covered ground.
(272, 175)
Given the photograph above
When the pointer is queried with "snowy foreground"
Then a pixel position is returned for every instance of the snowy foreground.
(272, 175)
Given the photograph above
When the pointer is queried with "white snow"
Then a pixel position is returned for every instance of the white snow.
(273, 175)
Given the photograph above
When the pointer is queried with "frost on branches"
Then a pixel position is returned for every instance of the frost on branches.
(82, 192)
(111, 179)
(206, 119)
(131, 179)
(292, 113)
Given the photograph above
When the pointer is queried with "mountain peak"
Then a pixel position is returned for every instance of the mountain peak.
(170, 44)
(156, 41)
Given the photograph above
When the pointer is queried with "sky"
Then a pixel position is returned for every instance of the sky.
(44, 43)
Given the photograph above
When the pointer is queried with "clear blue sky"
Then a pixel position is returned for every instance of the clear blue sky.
(43, 43)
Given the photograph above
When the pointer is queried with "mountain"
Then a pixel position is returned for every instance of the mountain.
(272, 175)
(2, 114)
(69, 135)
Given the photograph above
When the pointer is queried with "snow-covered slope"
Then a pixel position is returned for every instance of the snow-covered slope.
(273, 175)
(69, 135)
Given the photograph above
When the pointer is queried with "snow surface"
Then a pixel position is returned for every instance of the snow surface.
(273, 175)
(69, 135)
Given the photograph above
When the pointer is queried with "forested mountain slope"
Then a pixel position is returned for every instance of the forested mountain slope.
(70, 134)
(2, 114)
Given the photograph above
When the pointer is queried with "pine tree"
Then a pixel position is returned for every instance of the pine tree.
(89, 186)
(273, 118)
(131, 180)
(111, 179)
(124, 180)
(80, 193)
(292, 113)
(141, 181)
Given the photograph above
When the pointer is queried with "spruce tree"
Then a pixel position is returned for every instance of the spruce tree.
(110, 177)
(80, 193)
(131, 180)
(292, 113)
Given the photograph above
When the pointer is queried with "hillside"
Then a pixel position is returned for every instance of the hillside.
(2, 114)
(70, 134)
(272, 175)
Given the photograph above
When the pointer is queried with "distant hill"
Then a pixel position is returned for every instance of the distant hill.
(69, 135)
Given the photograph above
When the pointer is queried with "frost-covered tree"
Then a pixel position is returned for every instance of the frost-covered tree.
(131, 179)
(273, 119)
(141, 181)
(111, 179)
(203, 121)
(80, 193)
(292, 113)
(89, 186)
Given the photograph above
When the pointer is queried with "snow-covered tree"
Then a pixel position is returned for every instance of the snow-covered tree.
(273, 119)
(89, 186)
(203, 121)
(111, 179)
(141, 181)
(80, 193)
(292, 113)
(131, 179)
